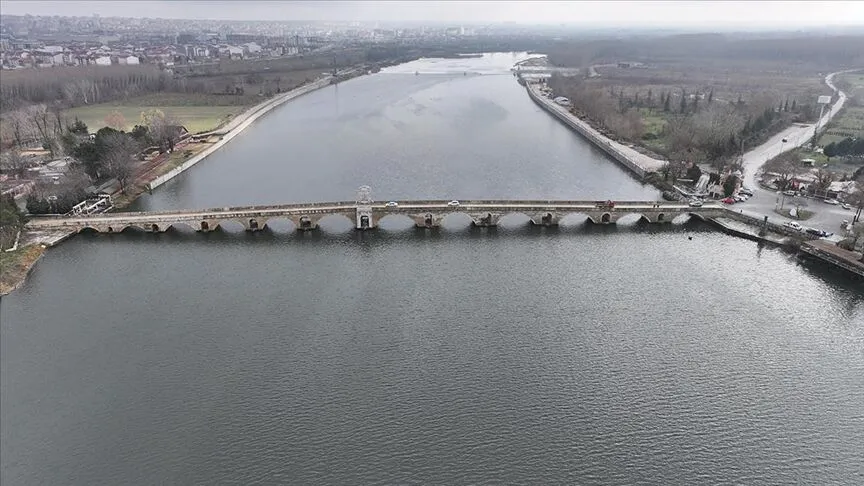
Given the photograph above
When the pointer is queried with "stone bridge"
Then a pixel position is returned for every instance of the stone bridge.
(425, 214)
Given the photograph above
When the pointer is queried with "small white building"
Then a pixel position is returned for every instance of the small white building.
(103, 61)
(252, 48)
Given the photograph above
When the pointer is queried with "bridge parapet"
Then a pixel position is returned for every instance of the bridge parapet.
(424, 214)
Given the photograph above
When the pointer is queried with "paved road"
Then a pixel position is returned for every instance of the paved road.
(826, 217)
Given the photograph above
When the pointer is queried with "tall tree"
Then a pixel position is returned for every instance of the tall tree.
(683, 108)
(119, 157)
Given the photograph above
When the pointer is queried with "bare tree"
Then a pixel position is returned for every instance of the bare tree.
(119, 157)
(115, 120)
(161, 127)
(12, 163)
(824, 178)
(785, 167)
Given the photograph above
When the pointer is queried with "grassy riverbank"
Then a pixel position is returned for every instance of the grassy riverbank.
(15, 265)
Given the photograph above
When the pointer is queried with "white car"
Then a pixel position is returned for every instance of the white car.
(696, 203)
(833, 202)
(391, 204)
(453, 203)
(846, 206)
(793, 225)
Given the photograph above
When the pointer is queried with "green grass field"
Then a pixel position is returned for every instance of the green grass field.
(194, 118)
(654, 123)
(850, 121)
(197, 112)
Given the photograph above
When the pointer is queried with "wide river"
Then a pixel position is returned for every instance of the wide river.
(581, 355)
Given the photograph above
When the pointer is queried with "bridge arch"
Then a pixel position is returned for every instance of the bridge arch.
(574, 218)
(457, 219)
(396, 221)
(337, 221)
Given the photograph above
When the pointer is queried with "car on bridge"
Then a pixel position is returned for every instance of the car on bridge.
(391, 204)
(696, 203)
(453, 203)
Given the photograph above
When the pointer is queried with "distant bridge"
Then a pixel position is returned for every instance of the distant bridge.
(366, 215)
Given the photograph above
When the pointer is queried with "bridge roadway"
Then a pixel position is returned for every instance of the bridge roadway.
(425, 214)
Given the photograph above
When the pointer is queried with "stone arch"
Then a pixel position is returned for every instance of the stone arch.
(661, 218)
(154, 228)
(365, 222)
(485, 219)
(606, 218)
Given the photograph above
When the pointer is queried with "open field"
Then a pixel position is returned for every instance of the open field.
(194, 118)
(850, 121)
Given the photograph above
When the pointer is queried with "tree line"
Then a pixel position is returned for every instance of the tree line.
(849, 146)
(108, 154)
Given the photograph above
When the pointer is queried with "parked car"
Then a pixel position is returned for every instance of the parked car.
(789, 193)
(391, 204)
(793, 225)
(817, 232)
(746, 192)
(453, 203)
(846, 206)
(833, 202)
(728, 200)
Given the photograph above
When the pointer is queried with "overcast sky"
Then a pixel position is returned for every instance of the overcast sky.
(643, 13)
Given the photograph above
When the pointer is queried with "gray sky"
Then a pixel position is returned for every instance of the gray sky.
(644, 13)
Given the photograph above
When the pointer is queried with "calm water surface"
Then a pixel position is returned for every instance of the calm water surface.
(582, 355)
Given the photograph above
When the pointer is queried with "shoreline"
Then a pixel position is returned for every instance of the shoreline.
(636, 162)
(226, 134)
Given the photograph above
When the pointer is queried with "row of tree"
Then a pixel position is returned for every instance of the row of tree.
(847, 147)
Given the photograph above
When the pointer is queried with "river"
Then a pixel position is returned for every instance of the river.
(577, 355)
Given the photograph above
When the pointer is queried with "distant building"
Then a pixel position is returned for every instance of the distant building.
(103, 61)
(251, 48)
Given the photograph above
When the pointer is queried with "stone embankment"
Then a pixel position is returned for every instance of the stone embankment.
(236, 126)
(637, 163)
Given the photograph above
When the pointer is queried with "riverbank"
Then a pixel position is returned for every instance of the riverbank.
(636, 162)
(16, 265)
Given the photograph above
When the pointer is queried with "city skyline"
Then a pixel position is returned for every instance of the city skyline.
(622, 13)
